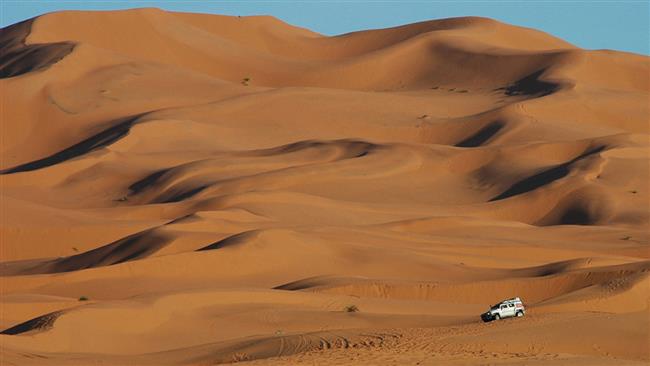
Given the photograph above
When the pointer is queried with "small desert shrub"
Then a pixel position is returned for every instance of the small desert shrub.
(83, 298)
(245, 81)
(351, 309)
(240, 356)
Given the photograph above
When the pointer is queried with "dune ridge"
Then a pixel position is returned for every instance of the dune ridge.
(226, 189)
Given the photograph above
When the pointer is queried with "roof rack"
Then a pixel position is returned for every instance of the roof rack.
(513, 299)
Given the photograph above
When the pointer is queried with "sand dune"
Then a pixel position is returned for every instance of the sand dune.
(202, 189)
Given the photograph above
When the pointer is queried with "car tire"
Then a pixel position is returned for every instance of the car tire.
(520, 314)
(497, 316)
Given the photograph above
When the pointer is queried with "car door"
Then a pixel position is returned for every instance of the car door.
(511, 310)
(503, 310)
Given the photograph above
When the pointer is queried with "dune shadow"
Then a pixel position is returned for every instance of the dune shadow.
(147, 181)
(40, 323)
(545, 177)
(230, 241)
(181, 196)
(575, 212)
(353, 148)
(171, 196)
(17, 58)
(92, 143)
(481, 136)
(576, 215)
(531, 85)
(304, 283)
(132, 247)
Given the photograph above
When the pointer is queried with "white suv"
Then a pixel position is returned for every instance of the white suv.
(505, 309)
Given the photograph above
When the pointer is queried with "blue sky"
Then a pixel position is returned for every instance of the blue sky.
(620, 25)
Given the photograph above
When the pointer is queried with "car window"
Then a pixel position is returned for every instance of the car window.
(511, 305)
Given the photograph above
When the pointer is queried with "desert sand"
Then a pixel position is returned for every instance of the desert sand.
(200, 189)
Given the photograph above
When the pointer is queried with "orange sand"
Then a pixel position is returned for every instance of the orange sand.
(222, 188)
